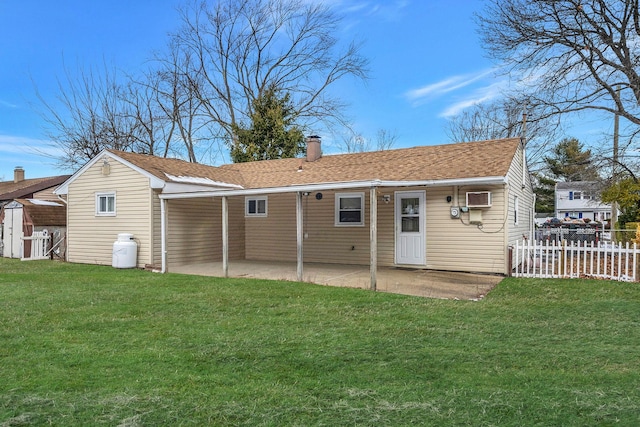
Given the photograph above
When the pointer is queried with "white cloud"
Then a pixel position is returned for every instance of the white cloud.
(450, 84)
(23, 145)
(387, 10)
(478, 96)
(7, 104)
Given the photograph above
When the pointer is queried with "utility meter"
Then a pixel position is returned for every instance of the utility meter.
(455, 212)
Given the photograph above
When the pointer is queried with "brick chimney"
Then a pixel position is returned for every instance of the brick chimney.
(314, 148)
(18, 174)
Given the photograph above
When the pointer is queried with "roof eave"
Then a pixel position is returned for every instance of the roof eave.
(491, 180)
(154, 182)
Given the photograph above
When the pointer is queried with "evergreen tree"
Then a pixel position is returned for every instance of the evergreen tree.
(571, 162)
(545, 189)
(272, 133)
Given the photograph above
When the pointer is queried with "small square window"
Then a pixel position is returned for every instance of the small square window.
(105, 204)
(255, 206)
(349, 209)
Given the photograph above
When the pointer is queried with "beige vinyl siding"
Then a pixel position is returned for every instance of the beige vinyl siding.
(457, 245)
(327, 242)
(194, 231)
(524, 191)
(90, 237)
(386, 226)
(236, 228)
(46, 194)
(525, 200)
(273, 237)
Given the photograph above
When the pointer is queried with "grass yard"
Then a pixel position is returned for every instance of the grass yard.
(91, 345)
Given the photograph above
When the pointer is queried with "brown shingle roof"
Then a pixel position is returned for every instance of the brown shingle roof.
(10, 190)
(437, 162)
(159, 167)
(45, 215)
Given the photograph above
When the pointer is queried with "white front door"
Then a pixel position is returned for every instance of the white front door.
(410, 224)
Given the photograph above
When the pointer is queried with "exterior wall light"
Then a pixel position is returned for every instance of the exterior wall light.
(106, 167)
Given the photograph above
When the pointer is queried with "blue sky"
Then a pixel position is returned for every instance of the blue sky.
(426, 63)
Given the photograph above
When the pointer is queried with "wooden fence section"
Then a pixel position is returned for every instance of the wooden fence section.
(551, 259)
(39, 245)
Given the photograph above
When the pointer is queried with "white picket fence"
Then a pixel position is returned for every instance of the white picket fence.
(551, 259)
(39, 245)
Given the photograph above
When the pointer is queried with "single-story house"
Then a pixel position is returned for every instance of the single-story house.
(453, 207)
(29, 188)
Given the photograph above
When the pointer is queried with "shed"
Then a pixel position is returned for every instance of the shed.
(21, 218)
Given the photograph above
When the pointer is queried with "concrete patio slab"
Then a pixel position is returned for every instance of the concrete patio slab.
(406, 281)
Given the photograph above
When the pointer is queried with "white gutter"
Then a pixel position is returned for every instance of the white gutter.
(491, 180)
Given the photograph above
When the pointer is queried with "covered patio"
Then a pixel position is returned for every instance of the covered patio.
(417, 282)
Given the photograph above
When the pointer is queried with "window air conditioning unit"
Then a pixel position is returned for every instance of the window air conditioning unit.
(479, 199)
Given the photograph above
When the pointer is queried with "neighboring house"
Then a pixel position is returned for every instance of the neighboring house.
(33, 188)
(451, 207)
(579, 199)
(13, 228)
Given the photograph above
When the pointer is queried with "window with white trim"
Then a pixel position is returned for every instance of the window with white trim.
(255, 206)
(349, 209)
(106, 204)
(515, 210)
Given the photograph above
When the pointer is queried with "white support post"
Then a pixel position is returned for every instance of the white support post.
(299, 235)
(225, 237)
(163, 234)
(373, 236)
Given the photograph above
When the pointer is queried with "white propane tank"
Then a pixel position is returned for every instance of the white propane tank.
(125, 251)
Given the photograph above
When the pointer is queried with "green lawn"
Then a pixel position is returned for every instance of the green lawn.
(91, 345)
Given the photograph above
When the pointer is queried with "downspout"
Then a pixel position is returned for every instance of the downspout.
(66, 241)
(373, 236)
(225, 237)
(523, 142)
(532, 219)
(163, 234)
(299, 237)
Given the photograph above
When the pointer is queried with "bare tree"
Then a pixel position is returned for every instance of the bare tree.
(352, 141)
(575, 54)
(385, 139)
(508, 118)
(87, 116)
(240, 48)
(206, 82)
(177, 97)
(141, 96)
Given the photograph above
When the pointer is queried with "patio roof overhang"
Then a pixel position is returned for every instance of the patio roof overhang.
(167, 195)
(197, 192)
